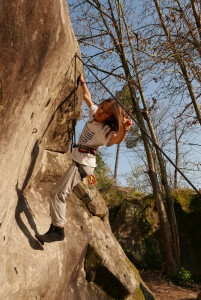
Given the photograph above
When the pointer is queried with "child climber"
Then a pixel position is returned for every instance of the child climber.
(107, 125)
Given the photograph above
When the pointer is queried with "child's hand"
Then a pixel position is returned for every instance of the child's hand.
(117, 138)
(127, 122)
(86, 93)
(82, 79)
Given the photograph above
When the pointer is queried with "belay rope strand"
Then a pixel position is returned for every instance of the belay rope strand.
(154, 143)
(73, 143)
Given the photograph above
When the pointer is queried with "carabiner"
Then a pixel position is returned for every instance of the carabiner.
(91, 179)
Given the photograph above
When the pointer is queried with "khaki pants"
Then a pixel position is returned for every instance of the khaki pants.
(61, 190)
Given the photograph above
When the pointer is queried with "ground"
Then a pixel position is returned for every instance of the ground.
(163, 289)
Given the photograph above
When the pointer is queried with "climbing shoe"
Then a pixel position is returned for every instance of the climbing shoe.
(52, 235)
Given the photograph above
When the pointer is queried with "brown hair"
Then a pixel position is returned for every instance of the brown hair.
(115, 119)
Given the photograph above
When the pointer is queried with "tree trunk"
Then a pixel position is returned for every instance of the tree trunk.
(170, 262)
(177, 156)
(196, 16)
(169, 200)
(116, 162)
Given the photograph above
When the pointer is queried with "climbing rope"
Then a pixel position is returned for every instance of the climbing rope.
(129, 114)
(73, 142)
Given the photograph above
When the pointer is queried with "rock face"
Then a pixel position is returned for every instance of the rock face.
(36, 109)
(135, 226)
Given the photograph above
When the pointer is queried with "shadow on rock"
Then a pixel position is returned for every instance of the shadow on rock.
(23, 207)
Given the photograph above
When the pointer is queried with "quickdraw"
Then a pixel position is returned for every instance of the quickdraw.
(91, 179)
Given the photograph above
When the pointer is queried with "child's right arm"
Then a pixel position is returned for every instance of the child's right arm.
(86, 93)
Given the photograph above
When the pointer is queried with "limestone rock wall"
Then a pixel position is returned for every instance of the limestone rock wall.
(36, 111)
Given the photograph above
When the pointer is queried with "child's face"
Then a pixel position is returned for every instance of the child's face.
(103, 112)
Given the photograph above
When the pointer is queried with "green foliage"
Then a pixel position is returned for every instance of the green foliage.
(132, 137)
(183, 277)
(188, 199)
(124, 97)
(107, 186)
(103, 174)
(114, 197)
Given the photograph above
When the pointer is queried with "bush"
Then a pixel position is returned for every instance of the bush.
(182, 278)
(188, 199)
(106, 184)
(103, 175)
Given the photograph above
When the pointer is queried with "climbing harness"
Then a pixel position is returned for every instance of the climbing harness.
(92, 151)
(86, 149)
(128, 113)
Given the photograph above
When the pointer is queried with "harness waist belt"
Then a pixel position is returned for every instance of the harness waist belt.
(86, 149)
